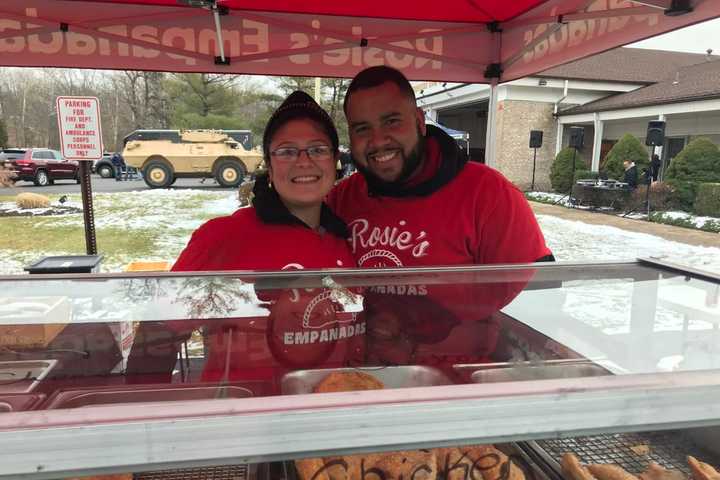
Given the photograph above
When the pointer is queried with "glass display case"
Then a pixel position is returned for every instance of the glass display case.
(488, 372)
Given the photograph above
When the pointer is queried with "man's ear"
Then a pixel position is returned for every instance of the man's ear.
(420, 114)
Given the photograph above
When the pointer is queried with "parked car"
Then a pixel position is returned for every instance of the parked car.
(104, 166)
(39, 165)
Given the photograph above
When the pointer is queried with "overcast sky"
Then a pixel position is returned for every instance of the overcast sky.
(695, 39)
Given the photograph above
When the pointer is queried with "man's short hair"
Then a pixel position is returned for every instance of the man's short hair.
(374, 77)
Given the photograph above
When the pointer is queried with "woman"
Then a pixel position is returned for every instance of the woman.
(287, 227)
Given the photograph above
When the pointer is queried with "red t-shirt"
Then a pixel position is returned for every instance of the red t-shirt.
(478, 217)
(304, 328)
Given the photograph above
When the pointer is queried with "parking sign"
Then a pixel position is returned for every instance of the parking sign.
(80, 130)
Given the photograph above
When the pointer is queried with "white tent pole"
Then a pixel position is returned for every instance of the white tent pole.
(597, 143)
(491, 130)
(218, 32)
(559, 138)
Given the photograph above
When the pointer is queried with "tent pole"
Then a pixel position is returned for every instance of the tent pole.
(491, 129)
(218, 32)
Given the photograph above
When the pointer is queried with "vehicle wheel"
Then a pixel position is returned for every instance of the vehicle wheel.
(230, 173)
(42, 179)
(105, 171)
(158, 174)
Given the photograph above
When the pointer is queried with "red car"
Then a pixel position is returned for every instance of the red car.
(39, 165)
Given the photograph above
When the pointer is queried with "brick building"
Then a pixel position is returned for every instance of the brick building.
(609, 94)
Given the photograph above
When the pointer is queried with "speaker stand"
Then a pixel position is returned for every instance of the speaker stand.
(648, 181)
(532, 184)
(572, 184)
(572, 179)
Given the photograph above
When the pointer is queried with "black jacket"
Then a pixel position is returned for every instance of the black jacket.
(631, 177)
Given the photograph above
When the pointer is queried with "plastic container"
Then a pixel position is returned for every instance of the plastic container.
(66, 264)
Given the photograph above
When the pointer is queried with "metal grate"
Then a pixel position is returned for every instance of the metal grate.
(228, 472)
(668, 448)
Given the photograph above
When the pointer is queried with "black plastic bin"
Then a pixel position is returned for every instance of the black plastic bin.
(66, 264)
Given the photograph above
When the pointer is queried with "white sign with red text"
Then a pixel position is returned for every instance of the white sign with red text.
(80, 130)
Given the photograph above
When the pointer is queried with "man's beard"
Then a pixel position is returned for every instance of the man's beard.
(411, 163)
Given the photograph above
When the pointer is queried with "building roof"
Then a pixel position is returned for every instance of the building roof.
(696, 82)
(633, 65)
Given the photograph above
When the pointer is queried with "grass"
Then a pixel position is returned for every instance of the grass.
(147, 225)
(712, 226)
(29, 235)
(542, 199)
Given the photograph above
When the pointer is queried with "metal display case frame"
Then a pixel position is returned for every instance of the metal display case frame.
(120, 438)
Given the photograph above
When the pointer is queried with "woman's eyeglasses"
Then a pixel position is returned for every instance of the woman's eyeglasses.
(291, 154)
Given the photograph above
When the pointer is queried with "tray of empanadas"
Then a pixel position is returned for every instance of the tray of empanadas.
(474, 462)
(664, 455)
(361, 378)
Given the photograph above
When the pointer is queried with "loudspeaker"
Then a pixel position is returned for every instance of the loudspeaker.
(536, 138)
(655, 133)
(577, 137)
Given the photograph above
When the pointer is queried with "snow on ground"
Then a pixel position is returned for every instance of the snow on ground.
(176, 213)
(577, 241)
(611, 305)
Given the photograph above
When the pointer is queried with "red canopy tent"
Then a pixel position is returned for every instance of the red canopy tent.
(453, 40)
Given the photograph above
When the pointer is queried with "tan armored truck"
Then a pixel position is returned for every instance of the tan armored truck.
(166, 155)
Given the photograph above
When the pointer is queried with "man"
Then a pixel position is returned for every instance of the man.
(118, 163)
(631, 174)
(418, 202)
(416, 182)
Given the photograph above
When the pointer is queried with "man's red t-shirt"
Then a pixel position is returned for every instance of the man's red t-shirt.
(477, 218)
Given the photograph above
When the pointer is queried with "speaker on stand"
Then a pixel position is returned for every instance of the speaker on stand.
(655, 138)
(536, 138)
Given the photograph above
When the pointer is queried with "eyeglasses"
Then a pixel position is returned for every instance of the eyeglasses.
(291, 154)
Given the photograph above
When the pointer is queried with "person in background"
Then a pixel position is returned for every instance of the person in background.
(118, 163)
(287, 227)
(631, 174)
(655, 165)
(346, 162)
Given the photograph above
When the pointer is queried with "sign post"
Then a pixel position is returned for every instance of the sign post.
(81, 140)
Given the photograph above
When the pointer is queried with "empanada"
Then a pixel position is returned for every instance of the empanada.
(610, 472)
(572, 469)
(701, 470)
(658, 472)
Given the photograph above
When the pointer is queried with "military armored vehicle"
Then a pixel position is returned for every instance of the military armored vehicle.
(189, 154)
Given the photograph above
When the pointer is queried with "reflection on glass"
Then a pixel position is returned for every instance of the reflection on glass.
(113, 340)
